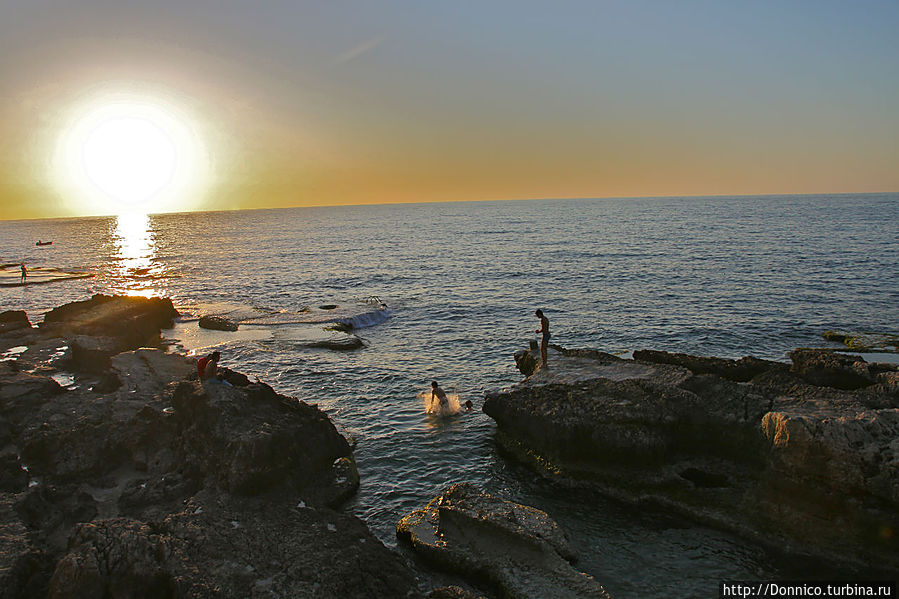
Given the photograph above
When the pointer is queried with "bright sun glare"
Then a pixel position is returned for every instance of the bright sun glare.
(128, 154)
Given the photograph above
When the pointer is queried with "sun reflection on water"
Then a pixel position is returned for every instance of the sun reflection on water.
(135, 272)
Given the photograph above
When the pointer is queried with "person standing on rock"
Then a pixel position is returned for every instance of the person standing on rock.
(544, 342)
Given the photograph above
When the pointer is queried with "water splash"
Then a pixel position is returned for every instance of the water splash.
(432, 406)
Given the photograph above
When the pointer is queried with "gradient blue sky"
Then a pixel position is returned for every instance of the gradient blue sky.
(302, 103)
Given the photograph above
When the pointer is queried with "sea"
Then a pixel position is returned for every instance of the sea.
(719, 276)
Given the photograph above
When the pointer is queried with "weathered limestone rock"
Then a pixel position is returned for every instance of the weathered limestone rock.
(810, 468)
(92, 354)
(865, 342)
(166, 486)
(741, 370)
(453, 592)
(252, 438)
(23, 568)
(223, 546)
(515, 548)
(831, 369)
(135, 321)
(217, 323)
(13, 320)
(113, 558)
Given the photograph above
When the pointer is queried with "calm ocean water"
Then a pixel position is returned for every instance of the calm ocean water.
(722, 276)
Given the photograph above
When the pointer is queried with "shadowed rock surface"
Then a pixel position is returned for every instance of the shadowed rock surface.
(516, 549)
(133, 478)
(803, 457)
(217, 323)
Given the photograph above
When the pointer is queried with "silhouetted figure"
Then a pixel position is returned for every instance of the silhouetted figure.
(440, 394)
(544, 342)
(24, 273)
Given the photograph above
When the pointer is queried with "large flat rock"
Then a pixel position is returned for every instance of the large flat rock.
(516, 549)
(765, 449)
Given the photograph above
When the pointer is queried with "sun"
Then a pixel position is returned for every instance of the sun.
(125, 154)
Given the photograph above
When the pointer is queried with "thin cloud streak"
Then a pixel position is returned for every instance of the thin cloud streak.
(358, 50)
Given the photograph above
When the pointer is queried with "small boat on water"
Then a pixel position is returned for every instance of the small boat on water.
(44, 243)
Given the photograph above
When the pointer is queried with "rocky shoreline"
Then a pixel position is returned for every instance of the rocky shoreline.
(123, 475)
(801, 457)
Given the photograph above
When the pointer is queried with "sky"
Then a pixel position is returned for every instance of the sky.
(294, 103)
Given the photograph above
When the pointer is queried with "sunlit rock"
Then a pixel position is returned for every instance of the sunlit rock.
(515, 548)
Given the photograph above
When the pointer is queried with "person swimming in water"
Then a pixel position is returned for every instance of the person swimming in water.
(440, 394)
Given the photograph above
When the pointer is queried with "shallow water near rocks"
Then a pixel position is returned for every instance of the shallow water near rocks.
(722, 276)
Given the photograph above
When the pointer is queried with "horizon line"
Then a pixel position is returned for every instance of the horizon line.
(425, 202)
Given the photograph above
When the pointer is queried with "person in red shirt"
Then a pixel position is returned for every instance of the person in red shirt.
(207, 366)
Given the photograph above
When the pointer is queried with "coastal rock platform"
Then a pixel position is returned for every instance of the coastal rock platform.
(801, 457)
(11, 275)
(121, 470)
(516, 549)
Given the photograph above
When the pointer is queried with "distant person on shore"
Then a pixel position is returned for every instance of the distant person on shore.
(544, 342)
(24, 273)
(207, 366)
(440, 394)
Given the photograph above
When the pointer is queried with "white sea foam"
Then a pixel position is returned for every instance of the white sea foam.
(357, 315)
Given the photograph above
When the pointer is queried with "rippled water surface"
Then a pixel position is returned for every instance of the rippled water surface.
(722, 276)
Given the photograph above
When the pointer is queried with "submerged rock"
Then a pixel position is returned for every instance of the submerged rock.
(865, 342)
(756, 447)
(217, 323)
(517, 549)
(339, 341)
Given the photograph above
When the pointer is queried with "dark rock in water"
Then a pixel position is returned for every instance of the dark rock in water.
(238, 379)
(217, 323)
(865, 342)
(13, 320)
(515, 548)
(781, 458)
(339, 342)
(826, 368)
